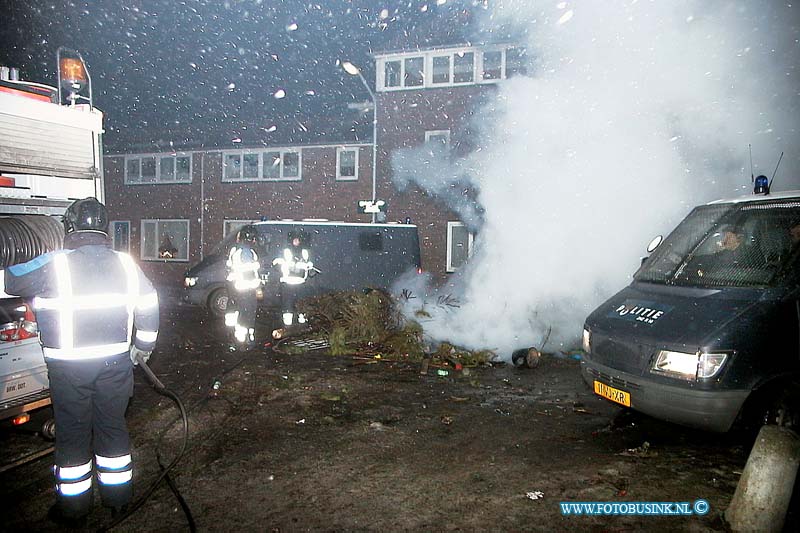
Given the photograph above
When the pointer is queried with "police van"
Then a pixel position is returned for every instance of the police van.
(708, 332)
(346, 256)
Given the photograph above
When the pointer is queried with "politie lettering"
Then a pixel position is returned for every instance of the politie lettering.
(642, 314)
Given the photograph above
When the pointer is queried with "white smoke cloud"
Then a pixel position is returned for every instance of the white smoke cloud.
(632, 113)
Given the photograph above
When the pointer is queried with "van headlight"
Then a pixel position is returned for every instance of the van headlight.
(190, 281)
(587, 340)
(690, 366)
(710, 364)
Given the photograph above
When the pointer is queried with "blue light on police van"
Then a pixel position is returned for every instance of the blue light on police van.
(761, 185)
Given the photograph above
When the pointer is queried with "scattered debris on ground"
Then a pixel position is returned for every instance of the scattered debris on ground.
(370, 324)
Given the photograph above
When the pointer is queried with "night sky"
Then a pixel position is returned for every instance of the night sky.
(230, 73)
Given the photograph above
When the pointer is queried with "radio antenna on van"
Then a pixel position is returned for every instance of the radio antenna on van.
(752, 176)
(776, 170)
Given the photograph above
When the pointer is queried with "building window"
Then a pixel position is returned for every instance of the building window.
(167, 168)
(449, 67)
(272, 165)
(183, 168)
(132, 170)
(346, 164)
(391, 74)
(492, 65)
(148, 169)
(232, 226)
(459, 245)
(250, 164)
(121, 235)
(516, 62)
(463, 67)
(165, 240)
(438, 138)
(258, 166)
(291, 165)
(232, 167)
(414, 75)
(440, 67)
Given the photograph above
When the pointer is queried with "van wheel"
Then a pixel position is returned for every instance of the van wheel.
(218, 301)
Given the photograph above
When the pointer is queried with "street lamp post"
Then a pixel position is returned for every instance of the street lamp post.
(355, 71)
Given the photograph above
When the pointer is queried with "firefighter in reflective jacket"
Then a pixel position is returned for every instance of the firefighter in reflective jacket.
(243, 282)
(295, 267)
(97, 312)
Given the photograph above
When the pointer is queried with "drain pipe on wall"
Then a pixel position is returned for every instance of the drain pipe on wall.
(202, 201)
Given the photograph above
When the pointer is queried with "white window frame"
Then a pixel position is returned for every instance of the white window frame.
(505, 60)
(228, 225)
(157, 222)
(382, 73)
(339, 151)
(261, 175)
(449, 81)
(424, 61)
(113, 234)
(428, 83)
(259, 157)
(437, 133)
(130, 180)
(475, 71)
(482, 72)
(450, 226)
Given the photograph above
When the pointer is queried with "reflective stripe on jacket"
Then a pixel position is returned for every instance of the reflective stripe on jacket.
(294, 269)
(243, 267)
(88, 302)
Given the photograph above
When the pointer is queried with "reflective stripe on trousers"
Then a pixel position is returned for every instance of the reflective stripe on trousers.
(114, 470)
(73, 480)
(243, 334)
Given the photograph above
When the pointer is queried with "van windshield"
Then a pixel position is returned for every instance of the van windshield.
(728, 245)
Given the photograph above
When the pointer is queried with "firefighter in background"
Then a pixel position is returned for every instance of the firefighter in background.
(243, 283)
(295, 264)
(97, 315)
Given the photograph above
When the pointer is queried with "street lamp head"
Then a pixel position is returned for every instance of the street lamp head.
(350, 68)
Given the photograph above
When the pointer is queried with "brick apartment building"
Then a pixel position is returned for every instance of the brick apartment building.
(170, 209)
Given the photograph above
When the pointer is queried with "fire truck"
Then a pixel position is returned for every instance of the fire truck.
(50, 155)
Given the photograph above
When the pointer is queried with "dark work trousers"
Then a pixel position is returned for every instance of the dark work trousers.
(247, 305)
(232, 304)
(89, 402)
(290, 295)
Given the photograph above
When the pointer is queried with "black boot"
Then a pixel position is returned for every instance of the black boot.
(57, 515)
(116, 512)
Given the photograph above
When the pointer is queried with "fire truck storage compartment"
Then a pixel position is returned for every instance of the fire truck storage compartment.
(40, 138)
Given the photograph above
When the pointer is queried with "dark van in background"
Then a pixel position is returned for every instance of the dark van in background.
(348, 256)
(709, 329)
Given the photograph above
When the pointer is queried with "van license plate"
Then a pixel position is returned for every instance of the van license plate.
(615, 395)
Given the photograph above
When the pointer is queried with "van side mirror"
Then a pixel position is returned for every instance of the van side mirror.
(655, 243)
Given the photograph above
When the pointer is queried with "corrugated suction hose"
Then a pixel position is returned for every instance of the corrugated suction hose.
(23, 237)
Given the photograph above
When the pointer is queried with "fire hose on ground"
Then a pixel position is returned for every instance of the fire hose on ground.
(164, 476)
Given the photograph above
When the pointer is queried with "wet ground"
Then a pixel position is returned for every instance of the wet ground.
(315, 442)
